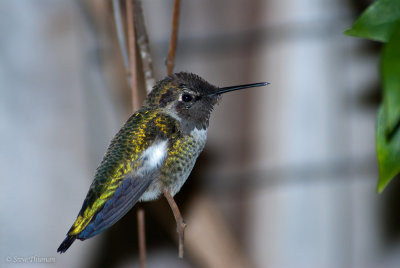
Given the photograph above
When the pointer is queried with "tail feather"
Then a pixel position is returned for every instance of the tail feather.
(66, 243)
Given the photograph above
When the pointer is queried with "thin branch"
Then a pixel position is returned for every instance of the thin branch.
(173, 39)
(135, 106)
(142, 237)
(180, 224)
(121, 36)
(136, 20)
(143, 45)
(132, 54)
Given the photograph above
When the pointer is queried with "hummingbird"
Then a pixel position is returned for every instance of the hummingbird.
(154, 151)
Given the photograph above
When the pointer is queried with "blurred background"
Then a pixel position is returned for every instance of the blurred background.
(289, 172)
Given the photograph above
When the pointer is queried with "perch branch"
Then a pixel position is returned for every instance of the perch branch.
(180, 224)
(143, 45)
(173, 39)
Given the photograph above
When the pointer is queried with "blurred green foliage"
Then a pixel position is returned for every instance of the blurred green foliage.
(381, 22)
(377, 22)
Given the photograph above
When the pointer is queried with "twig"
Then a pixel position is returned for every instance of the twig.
(180, 224)
(142, 237)
(143, 45)
(132, 54)
(135, 106)
(121, 36)
(174, 37)
(136, 21)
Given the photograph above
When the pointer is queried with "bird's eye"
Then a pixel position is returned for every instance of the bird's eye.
(186, 97)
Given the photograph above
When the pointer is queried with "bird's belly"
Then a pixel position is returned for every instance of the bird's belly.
(177, 180)
(178, 165)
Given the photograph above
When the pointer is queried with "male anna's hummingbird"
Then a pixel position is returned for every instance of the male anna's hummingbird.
(154, 151)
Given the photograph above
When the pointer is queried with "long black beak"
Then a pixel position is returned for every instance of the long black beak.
(223, 90)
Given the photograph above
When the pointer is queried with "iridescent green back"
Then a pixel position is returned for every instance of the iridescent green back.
(121, 159)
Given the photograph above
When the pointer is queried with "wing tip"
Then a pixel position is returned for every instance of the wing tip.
(66, 243)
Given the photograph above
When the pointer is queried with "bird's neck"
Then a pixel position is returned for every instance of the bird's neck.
(187, 124)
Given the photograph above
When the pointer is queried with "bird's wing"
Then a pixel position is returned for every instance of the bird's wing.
(130, 165)
(124, 198)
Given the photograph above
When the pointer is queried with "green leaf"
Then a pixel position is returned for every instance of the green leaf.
(388, 151)
(377, 21)
(391, 80)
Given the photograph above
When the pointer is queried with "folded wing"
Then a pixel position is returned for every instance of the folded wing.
(131, 164)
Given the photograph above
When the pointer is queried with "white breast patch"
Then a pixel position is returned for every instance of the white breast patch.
(154, 156)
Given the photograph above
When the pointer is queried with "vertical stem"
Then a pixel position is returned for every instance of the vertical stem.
(132, 54)
(135, 106)
(174, 38)
(143, 45)
(180, 225)
(142, 237)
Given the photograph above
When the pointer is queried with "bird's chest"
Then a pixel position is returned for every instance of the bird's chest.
(182, 156)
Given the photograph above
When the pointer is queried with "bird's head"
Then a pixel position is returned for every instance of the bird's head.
(188, 97)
